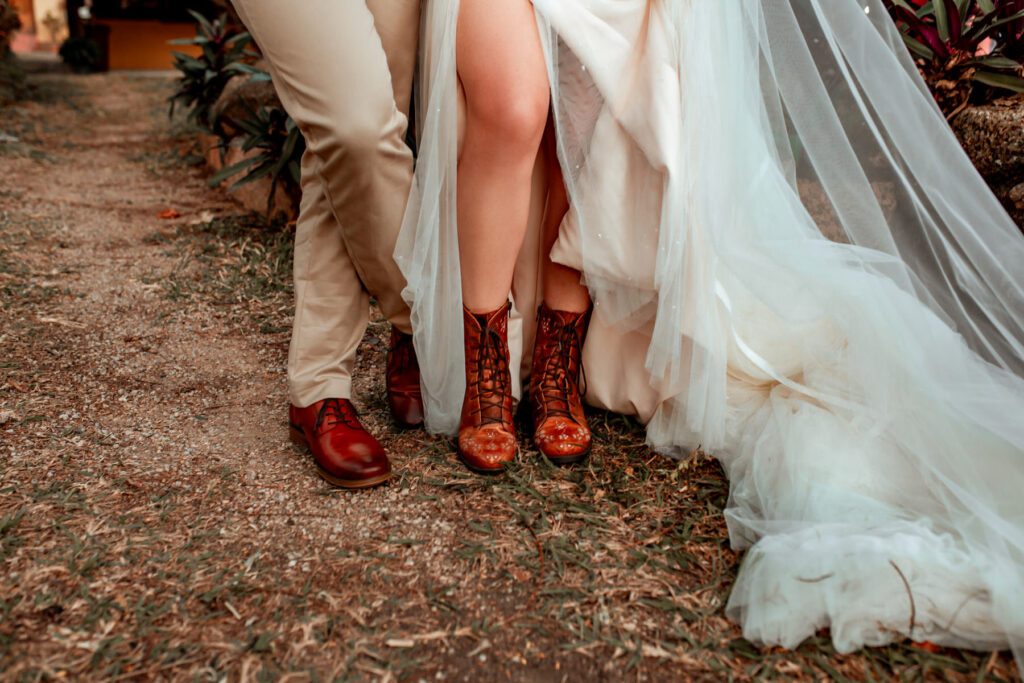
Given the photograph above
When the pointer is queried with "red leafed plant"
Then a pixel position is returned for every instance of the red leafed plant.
(969, 51)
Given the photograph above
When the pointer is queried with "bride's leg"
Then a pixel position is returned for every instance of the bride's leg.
(560, 426)
(561, 284)
(501, 67)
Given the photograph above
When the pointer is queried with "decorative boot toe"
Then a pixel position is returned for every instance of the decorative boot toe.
(487, 437)
(561, 432)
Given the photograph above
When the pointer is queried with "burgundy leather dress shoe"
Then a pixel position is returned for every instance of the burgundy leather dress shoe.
(346, 455)
(403, 379)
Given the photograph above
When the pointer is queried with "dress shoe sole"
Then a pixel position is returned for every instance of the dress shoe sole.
(349, 484)
(296, 436)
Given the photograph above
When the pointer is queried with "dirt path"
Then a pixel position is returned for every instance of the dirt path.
(156, 524)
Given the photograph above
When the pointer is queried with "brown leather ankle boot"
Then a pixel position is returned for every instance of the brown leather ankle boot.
(560, 426)
(403, 381)
(487, 437)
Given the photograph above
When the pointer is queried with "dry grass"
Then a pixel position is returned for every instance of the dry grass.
(155, 523)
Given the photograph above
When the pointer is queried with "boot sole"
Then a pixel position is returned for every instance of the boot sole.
(558, 461)
(296, 436)
(406, 426)
(566, 460)
(481, 470)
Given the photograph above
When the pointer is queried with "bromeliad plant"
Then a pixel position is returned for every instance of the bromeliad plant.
(969, 51)
(280, 146)
(223, 55)
(269, 137)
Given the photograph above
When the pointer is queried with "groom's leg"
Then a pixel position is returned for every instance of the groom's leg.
(332, 65)
(331, 306)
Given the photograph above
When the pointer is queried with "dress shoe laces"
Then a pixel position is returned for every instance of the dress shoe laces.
(558, 383)
(337, 412)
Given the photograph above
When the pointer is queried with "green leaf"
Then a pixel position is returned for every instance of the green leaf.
(261, 171)
(289, 145)
(997, 80)
(203, 22)
(1001, 22)
(238, 41)
(295, 172)
(995, 62)
(919, 48)
(230, 171)
(262, 643)
(941, 18)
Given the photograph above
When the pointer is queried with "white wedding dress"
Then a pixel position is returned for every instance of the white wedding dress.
(795, 267)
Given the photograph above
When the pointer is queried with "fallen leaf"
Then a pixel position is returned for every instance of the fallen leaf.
(167, 214)
(928, 646)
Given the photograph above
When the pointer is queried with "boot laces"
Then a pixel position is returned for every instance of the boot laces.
(337, 412)
(557, 383)
(492, 383)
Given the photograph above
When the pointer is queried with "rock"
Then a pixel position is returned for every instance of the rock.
(242, 95)
(1016, 195)
(253, 196)
(993, 137)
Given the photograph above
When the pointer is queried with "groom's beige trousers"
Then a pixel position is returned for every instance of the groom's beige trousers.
(343, 70)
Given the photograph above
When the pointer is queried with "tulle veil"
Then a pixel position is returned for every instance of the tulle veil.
(831, 298)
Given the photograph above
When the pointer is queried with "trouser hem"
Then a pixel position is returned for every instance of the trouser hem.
(305, 395)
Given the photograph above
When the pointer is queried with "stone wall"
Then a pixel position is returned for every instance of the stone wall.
(993, 137)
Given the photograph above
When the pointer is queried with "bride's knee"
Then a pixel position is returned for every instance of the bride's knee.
(512, 120)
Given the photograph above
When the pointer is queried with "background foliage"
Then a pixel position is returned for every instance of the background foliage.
(267, 132)
(81, 54)
(203, 78)
(969, 51)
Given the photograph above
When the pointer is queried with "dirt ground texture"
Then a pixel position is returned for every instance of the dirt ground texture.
(156, 524)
